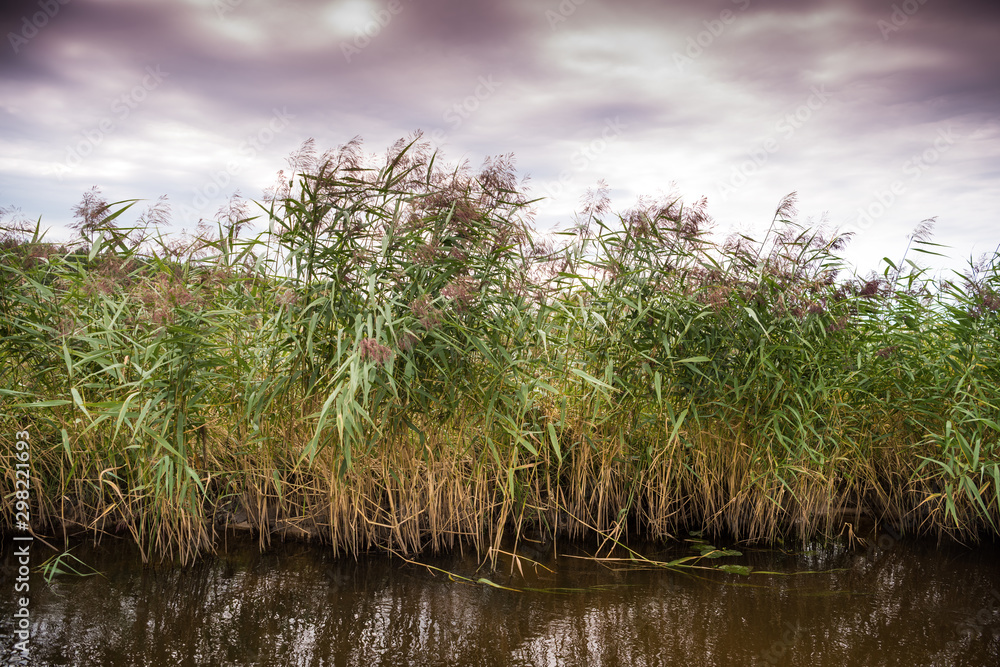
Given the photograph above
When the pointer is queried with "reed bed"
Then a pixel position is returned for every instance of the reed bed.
(402, 362)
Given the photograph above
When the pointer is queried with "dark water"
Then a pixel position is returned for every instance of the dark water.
(906, 603)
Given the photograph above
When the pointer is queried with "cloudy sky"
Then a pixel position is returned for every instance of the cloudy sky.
(879, 114)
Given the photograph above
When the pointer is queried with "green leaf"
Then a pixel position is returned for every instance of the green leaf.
(44, 404)
(521, 440)
(753, 316)
(79, 401)
(555, 442)
(591, 379)
(487, 582)
(720, 553)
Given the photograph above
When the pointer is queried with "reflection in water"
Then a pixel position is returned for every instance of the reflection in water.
(905, 604)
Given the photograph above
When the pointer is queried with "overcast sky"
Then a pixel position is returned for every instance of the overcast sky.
(879, 114)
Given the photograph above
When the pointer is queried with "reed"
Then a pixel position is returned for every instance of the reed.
(401, 362)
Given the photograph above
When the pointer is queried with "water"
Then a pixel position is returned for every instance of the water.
(904, 603)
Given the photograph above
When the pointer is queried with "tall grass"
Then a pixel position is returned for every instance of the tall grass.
(401, 361)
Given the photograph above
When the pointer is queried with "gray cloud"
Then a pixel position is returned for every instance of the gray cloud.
(708, 94)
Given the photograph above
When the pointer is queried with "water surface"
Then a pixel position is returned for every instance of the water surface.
(901, 603)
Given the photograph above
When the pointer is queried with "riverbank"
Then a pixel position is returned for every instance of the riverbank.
(402, 362)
